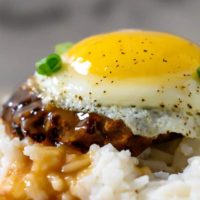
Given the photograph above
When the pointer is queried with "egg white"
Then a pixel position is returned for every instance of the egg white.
(172, 92)
(160, 112)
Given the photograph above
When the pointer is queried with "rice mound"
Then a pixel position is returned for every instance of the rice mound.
(38, 172)
(182, 186)
(116, 175)
(112, 175)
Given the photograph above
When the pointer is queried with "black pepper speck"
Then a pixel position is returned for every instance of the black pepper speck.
(80, 98)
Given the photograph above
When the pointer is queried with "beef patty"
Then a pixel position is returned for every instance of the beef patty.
(25, 115)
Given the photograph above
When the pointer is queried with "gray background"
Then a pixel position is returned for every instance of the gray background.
(29, 29)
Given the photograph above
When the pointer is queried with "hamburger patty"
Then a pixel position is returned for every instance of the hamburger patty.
(26, 116)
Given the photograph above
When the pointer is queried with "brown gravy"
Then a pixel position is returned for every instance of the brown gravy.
(26, 116)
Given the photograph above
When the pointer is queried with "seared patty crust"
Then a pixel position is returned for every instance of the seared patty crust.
(25, 115)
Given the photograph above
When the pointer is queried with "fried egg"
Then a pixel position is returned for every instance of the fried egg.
(147, 79)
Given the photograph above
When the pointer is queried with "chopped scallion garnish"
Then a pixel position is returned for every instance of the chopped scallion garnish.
(49, 65)
(62, 48)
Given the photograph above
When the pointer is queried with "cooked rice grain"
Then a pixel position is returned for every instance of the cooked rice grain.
(33, 171)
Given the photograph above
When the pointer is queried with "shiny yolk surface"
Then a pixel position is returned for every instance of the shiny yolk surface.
(129, 54)
(141, 68)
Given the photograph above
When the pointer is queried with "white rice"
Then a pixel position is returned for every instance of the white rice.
(112, 176)
(182, 186)
(32, 171)
(115, 175)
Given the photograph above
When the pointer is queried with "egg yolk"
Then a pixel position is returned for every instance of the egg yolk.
(129, 54)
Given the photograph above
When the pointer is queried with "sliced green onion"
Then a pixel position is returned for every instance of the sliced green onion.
(49, 65)
(198, 72)
(62, 48)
